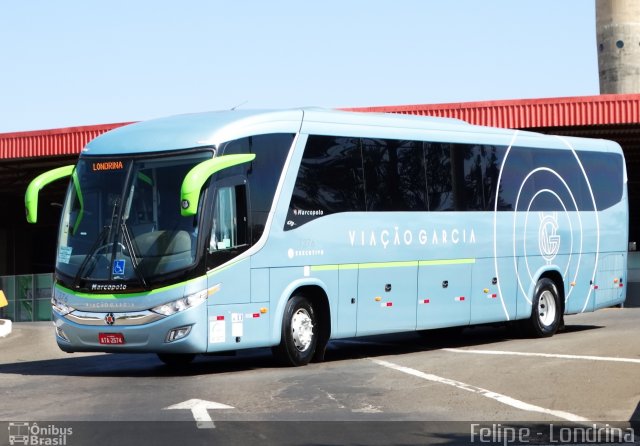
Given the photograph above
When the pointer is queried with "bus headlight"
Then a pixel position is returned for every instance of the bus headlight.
(185, 303)
(60, 306)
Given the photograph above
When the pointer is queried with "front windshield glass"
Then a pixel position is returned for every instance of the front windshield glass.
(121, 221)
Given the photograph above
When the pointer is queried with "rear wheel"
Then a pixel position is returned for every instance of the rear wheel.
(299, 333)
(546, 311)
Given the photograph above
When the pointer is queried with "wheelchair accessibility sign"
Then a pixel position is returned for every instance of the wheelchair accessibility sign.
(118, 267)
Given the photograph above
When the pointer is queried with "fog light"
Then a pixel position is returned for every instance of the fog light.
(60, 333)
(178, 333)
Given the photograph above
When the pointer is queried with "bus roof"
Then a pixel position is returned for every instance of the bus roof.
(212, 128)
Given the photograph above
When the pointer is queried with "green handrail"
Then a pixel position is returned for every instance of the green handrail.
(42, 180)
(198, 175)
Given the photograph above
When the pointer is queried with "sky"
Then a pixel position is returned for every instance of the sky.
(67, 63)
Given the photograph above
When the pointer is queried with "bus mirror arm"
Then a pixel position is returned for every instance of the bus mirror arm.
(42, 180)
(199, 174)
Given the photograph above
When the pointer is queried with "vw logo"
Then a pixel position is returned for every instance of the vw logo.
(110, 319)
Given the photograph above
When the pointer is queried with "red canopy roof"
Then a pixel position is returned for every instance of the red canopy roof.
(521, 113)
(532, 113)
(55, 142)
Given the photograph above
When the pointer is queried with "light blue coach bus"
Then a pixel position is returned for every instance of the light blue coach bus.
(228, 230)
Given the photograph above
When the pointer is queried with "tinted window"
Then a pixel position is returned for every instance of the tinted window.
(517, 166)
(604, 171)
(394, 175)
(339, 174)
(262, 174)
(558, 180)
(330, 180)
(439, 182)
(562, 176)
(481, 169)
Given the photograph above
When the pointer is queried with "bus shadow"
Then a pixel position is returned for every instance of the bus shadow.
(148, 365)
(403, 343)
(122, 365)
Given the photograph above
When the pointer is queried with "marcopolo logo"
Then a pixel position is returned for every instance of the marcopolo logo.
(32, 434)
(108, 287)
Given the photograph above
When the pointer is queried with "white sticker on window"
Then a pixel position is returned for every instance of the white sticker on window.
(64, 254)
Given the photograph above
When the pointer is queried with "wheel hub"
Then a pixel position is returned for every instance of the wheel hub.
(302, 329)
(547, 308)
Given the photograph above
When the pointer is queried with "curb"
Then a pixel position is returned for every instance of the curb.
(5, 327)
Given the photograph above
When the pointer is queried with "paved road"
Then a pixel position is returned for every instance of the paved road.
(382, 390)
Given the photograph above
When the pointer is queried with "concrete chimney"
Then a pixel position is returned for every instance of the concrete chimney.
(618, 40)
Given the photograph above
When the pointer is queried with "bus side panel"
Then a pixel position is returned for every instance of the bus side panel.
(493, 298)
(386, 300)
(581, 292)
(260, 285)
(444, 298)
(230, 285)
(524, 290)
(610, 281)
(347, 303)
(237, 326)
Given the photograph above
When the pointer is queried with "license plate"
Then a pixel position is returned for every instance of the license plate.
(111, 338)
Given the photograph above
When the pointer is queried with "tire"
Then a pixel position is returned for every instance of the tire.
(299, 336)
(176, 359)
(546, 311)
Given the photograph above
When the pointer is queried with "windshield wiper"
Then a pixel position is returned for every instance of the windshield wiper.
(90, 255)
(128, 243)
(102, 237)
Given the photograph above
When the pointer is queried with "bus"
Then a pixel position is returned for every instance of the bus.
(215, 232)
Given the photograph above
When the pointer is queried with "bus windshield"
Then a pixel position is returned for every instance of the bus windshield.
(121, 221)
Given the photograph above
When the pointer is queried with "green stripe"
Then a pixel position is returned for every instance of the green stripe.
(76, 185)
(144, 293)
(392, 264)
(127, 296)
(215, 271)
(447, 262)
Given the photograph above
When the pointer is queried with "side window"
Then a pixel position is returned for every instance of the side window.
(481, 170)
(394, 175)
(439, 176)
(330, 180)
(229, 228)
(604, 171)
(262, 174)
(517, 167)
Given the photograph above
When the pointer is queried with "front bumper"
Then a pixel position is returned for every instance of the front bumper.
(142, 334)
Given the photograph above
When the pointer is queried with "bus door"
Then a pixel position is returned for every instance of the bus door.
(444, 298)
(386, 298)
(228, 239)
(347, 300)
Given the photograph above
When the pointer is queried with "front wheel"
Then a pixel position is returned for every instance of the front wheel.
(546, 311)
(299, 333)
